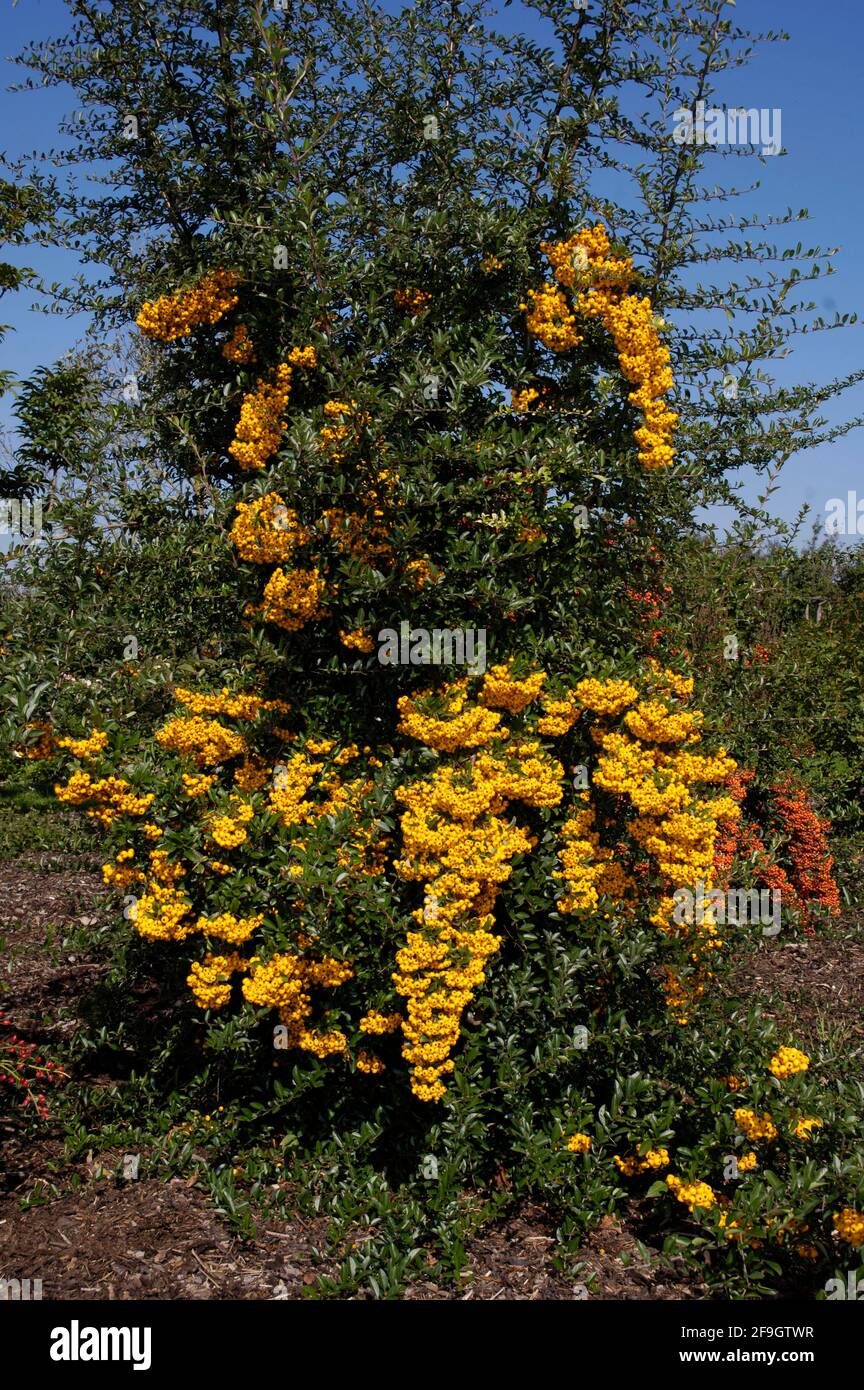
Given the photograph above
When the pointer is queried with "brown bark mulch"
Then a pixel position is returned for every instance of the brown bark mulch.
(813, 984)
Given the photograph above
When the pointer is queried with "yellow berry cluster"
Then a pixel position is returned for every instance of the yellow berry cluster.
(456, 724)
(210, 979)
(560, 713)
(292, 598)
(283, 983)
(787, 1061)
(588, 869)
(89, 747)
(266, 532)
(358, 640)
(198, 785)
(109, 797)
(122, 873)
(361, 852)
(173, 316)
(849, 1225)
(501, 690)
(236, 705)
(458, 841)
(692, 1194)
(368, 1063)
(239, 348)
(378, 1023)
(336, 431)
(599, 281)
(756, 1127)
(649, 1162)
(162, 913)
(648, 761)
(228, 830)
(421, 573)
(252, 774)
(523, 400)
(550, 319)
(206, 741)
(261, 425)
(363, 538)
(230, 928)
(803, 1127)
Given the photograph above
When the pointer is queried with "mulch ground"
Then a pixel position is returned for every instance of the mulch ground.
(812, 985)
(39, 974)
(91, 1235)
(148, 1239)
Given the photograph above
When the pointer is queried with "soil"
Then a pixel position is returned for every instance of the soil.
(89, 1234)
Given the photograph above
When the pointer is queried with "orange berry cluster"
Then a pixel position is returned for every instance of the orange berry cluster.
(412, 300)
(811, 863)
(810, 879)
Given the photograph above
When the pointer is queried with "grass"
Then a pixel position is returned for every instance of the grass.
(34, 824)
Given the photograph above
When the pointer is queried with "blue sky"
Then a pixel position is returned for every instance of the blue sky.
(814, 79)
